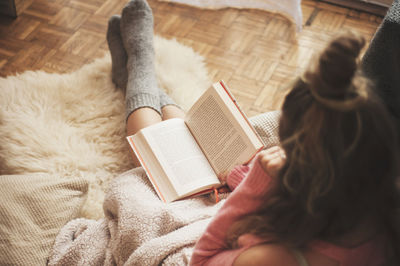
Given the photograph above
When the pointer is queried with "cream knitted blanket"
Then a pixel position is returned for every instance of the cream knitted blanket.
(138, 228)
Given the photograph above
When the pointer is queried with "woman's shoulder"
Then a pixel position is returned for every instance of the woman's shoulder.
(266, 254)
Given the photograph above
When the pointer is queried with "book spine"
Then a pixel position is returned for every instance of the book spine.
(136, 151)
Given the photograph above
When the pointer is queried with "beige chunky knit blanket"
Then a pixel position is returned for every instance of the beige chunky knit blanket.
(138, 228)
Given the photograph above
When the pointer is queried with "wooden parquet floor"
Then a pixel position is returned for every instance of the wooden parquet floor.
(257, 53)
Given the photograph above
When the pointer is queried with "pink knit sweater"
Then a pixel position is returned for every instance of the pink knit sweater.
(211, 248)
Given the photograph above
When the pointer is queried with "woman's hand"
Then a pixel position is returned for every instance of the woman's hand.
(222, 177)
(272, 160)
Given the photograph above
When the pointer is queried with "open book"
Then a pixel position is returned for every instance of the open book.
(183, 158)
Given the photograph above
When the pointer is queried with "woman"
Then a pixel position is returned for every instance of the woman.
(328, 195)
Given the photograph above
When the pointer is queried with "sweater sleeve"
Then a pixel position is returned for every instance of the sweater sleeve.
(211, 248)
(236, 176)
(238, 173)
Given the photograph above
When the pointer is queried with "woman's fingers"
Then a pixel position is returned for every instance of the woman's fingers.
(222, 177)
(272, 160)
(273, 149)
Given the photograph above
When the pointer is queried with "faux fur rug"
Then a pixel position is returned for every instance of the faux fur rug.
(73, 124)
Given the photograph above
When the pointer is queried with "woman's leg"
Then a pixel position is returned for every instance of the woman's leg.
(142, 93)
(138, 119)
(130, 40)
(172, 111)
(169, 109)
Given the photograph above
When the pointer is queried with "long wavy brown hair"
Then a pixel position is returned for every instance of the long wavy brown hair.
(342, 158)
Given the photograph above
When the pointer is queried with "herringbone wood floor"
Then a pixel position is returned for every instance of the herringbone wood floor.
(257, 53)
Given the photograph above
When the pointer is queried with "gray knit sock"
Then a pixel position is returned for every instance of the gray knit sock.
(119, 59)
(118, 54)
(166, 100)
(137, 37)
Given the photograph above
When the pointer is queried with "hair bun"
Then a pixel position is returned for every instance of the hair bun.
(337, 65)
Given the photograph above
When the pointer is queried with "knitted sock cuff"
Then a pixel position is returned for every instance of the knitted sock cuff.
(166, 100)
(142, 100)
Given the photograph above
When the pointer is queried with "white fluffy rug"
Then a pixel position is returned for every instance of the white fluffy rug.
(73, 124)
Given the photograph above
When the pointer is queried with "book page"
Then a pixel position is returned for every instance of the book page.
(226, 138)
(180, 156)
(152, 166)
